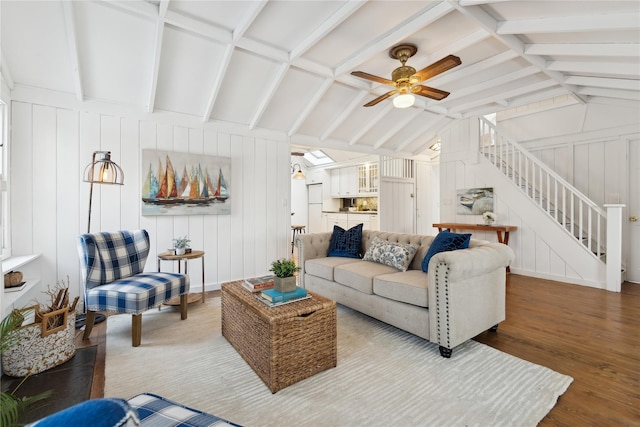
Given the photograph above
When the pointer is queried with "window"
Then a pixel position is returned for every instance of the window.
(317, 157)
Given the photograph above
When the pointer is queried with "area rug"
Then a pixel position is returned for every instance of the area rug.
(384, 376)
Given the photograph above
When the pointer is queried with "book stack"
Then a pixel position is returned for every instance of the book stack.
(273, 298)
(258, 284)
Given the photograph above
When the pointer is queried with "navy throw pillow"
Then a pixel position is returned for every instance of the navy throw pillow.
(346, 243)
(443, 242)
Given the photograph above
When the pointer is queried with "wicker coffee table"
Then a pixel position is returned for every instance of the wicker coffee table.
(283, 344)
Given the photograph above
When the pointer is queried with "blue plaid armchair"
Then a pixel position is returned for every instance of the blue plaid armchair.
(112, 267)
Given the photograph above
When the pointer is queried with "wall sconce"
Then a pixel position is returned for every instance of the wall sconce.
(102, 171)
(299, 174)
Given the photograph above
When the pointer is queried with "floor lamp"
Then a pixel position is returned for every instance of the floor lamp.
(101, 171)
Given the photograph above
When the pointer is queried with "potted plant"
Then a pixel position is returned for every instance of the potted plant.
(180, 245)
(284, 269)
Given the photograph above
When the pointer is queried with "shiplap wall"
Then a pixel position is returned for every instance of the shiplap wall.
(590, 153)
(51, 146)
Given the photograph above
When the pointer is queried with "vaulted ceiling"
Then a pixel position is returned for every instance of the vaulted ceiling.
(286, 66)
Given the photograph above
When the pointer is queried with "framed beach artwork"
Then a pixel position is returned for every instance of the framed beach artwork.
(474, 201)
(175, 183)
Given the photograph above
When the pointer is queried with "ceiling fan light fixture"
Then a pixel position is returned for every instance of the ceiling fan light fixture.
(404, 101)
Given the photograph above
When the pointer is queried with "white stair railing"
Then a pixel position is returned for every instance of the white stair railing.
(577, 214)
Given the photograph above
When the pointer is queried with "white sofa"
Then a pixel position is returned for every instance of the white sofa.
(462, 295)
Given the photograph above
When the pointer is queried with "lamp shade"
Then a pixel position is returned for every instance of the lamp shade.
(404, 101)
(298, 174)
(103, 171)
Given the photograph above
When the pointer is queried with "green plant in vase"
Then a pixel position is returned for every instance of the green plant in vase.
(180, 245)
(285, 270)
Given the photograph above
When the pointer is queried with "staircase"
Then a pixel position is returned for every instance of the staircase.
(576, 214)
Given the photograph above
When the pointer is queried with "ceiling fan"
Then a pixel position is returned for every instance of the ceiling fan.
(405, 79)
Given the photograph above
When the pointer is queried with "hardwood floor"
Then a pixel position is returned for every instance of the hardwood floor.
(590, 334)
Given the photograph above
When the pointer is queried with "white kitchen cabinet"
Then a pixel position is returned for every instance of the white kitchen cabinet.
(339, 219)
(368, 179)
(344, 182)
(315, 176)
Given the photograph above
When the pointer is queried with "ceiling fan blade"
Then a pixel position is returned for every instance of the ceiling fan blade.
(371, 77)
(429, 92)
(438, 67)
(381, 98)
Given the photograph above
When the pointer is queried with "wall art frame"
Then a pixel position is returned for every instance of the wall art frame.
(474, 201)
(176, 183)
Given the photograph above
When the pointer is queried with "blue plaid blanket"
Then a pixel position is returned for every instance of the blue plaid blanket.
(154, 410)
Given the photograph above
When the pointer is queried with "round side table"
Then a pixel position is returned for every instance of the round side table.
(170, 256)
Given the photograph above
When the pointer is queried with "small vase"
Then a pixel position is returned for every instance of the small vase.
(488, 221)
(180, 251)
(285, 284)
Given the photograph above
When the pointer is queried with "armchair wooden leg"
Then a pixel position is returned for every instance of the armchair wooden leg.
(90, 318)
(183, 306)
(136, 329)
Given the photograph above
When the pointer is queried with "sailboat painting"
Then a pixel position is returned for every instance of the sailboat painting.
(175, 183)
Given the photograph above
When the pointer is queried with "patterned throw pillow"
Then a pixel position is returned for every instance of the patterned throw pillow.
(396, 255)
(445, 241)
(346, 243)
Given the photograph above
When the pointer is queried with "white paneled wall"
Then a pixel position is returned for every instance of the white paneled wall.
(50, 146)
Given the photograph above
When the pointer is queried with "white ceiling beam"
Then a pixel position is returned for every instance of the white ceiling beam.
(501, 96)
(410, 116)
(140, 8)
(313, 103)
(440, 126)
(72, 43)
(473, 69)
(512, 42)
(384, 110)
(195, 26)
(626, 50)
(249, 16)
(346, 113)
(615, 68)
(163, 7)
(570, 24)
(326, 27)
(610, 93)
(6, 72)
(262, 49)
(155, 71)
(275, 84)
(624, 84)
(476, 2)
(492, 83)
(517, 102)
(217, 84)
(401, 32)
(313, 67)
(419, 132)
(455, 47)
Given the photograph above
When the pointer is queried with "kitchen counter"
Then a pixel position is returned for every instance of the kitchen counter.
(354, 212)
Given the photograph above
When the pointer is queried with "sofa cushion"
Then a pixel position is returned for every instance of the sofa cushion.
(346, 243)
(408, 286)
(445, 241)
(396, 255)
(359, 275)
(323, 267)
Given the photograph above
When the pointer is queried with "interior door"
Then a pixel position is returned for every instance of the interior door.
(396, 207)
(633, 263)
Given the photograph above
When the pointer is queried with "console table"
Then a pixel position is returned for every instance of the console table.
(170, 256)
(501, 230)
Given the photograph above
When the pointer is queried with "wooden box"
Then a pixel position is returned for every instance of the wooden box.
(283, 344)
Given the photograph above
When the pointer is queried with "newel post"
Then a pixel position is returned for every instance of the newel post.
(614, 247)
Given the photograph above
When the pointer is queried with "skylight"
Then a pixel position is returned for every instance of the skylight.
(317, 157)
